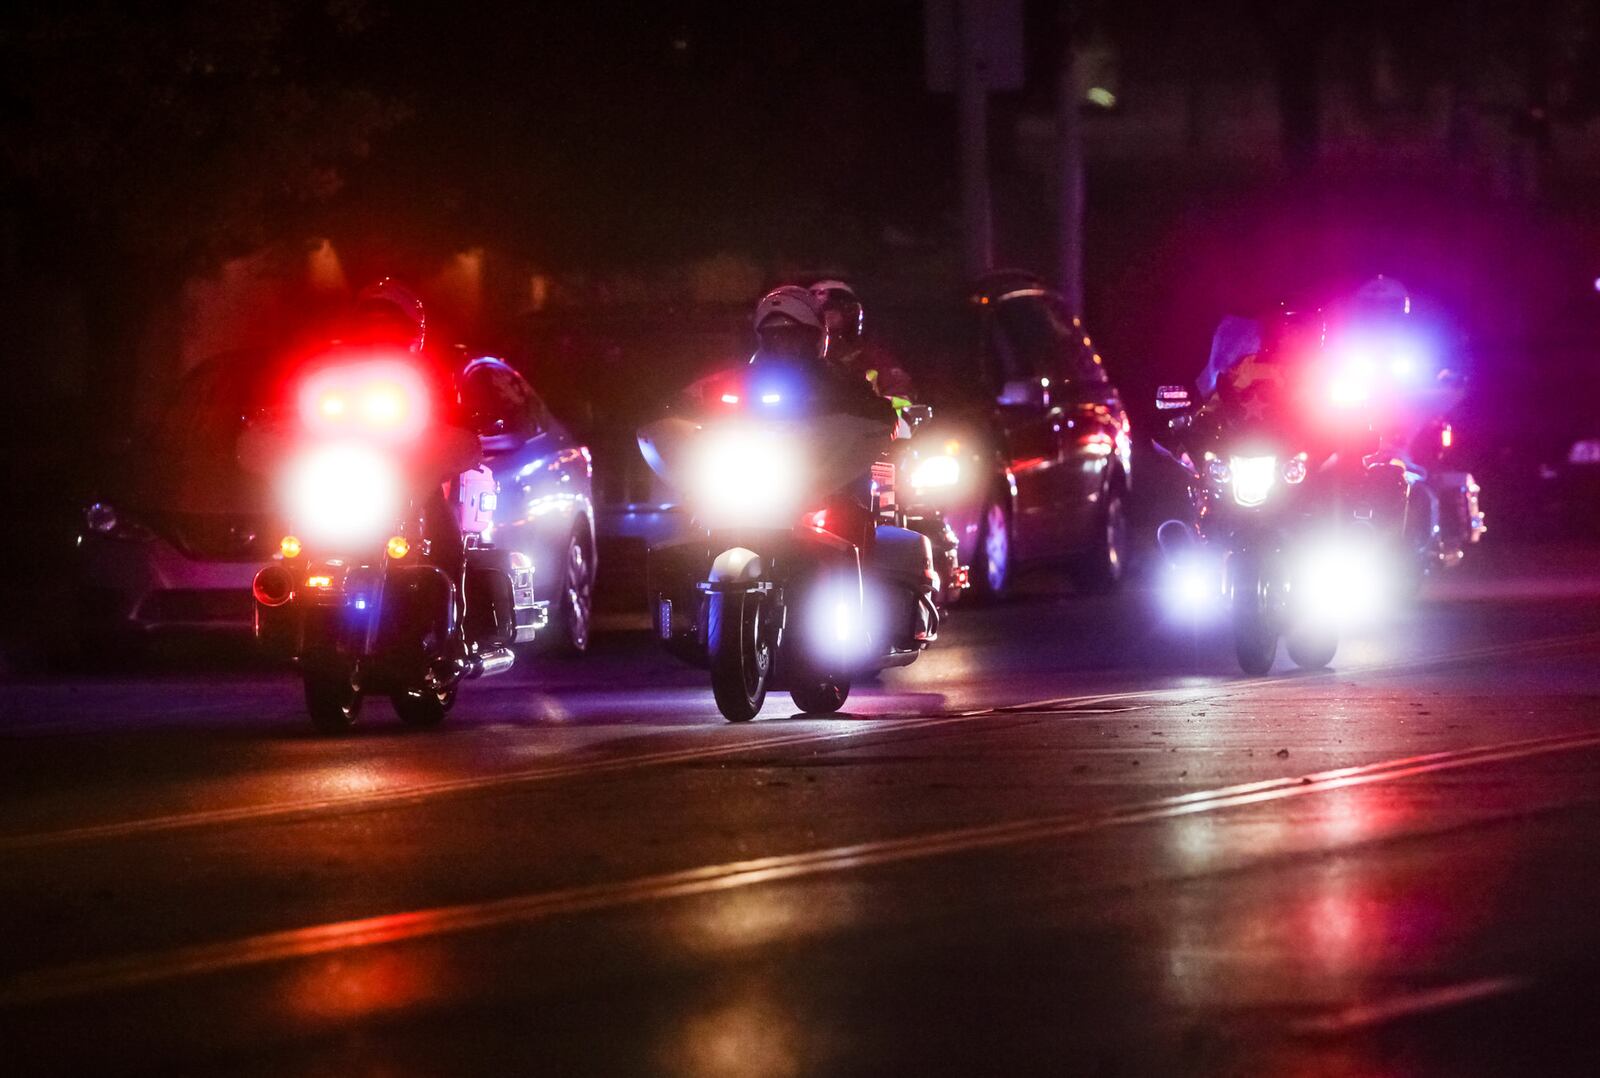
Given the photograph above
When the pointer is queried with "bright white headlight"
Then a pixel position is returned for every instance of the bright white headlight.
(343, 493)
(744, 475)
(1252, 478)
(935, 472)
(1342, 582)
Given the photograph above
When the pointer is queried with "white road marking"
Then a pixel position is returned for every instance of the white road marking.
(144, 969)
(1408, 1005)
(417, 793)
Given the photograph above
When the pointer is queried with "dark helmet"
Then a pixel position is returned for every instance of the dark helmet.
(790, 325)
(842, 310)
(388, 308)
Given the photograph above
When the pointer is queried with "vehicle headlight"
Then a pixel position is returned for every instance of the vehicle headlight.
(1294, 469)
(343, 493)
(1252, 478)
(1341, 581)
(935, 473)
(747, 475)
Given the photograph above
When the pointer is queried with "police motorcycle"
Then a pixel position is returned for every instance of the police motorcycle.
(1394, 372)
(1299, 526)
(923, 515)
(385, 582)
(800, 574)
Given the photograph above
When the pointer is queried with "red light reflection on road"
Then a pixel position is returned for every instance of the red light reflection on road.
(356, 984)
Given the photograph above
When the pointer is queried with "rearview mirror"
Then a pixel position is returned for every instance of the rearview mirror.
(1172, 398)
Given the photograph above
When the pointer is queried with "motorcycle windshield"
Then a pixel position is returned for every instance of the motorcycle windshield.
(745, 471)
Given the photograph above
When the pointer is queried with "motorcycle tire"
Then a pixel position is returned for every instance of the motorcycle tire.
(1313, 649)
(1255, 641)
(740, 659)
(423, 708)
(332, 700)
(820, 696)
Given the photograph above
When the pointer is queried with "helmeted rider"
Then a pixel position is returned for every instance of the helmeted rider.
(388, 314)
(847, 321)
(792, 329)
(1424, 381)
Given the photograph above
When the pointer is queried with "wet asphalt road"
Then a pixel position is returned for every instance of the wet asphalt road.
(1064, 842)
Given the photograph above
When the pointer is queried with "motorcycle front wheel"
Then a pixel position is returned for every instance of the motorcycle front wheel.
(1255, 639)
(424, 707)
(816, 696)
(740, 657)
(332, 700)
(1312, 649)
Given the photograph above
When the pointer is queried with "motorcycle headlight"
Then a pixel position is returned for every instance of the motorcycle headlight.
(344, 493)
(1294, 469)
(746, 476)
(1219, 473)
(1253, 478)
(936, 473)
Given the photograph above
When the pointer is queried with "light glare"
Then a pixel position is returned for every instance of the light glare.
(343, 493)
(1253, 478)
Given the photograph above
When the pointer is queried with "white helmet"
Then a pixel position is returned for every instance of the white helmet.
(789, 322)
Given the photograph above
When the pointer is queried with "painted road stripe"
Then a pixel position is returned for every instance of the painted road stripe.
(418, 793)
(139, 970)
(1408, 1005)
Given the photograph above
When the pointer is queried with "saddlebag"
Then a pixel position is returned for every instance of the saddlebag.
(500, 598)
(902, 564)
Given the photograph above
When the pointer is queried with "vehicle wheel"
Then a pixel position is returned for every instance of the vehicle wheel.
(1099, 569)
(1312, 649)
(332, 700)
(1255, 640)
(572, 615)
(423, 708)
(991, 571)
(820, 697)
(740, 657)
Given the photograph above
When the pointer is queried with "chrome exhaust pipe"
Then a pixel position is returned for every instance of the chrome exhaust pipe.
(273, 586)
(495, 660)
(1174, 537)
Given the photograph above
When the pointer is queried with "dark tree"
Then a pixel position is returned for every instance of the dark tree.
(144, 142)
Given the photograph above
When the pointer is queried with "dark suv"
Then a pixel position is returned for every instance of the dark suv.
(1028, 453)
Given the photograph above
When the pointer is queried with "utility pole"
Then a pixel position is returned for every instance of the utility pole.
(972, 106)
(973, 48)
(1069, 153)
